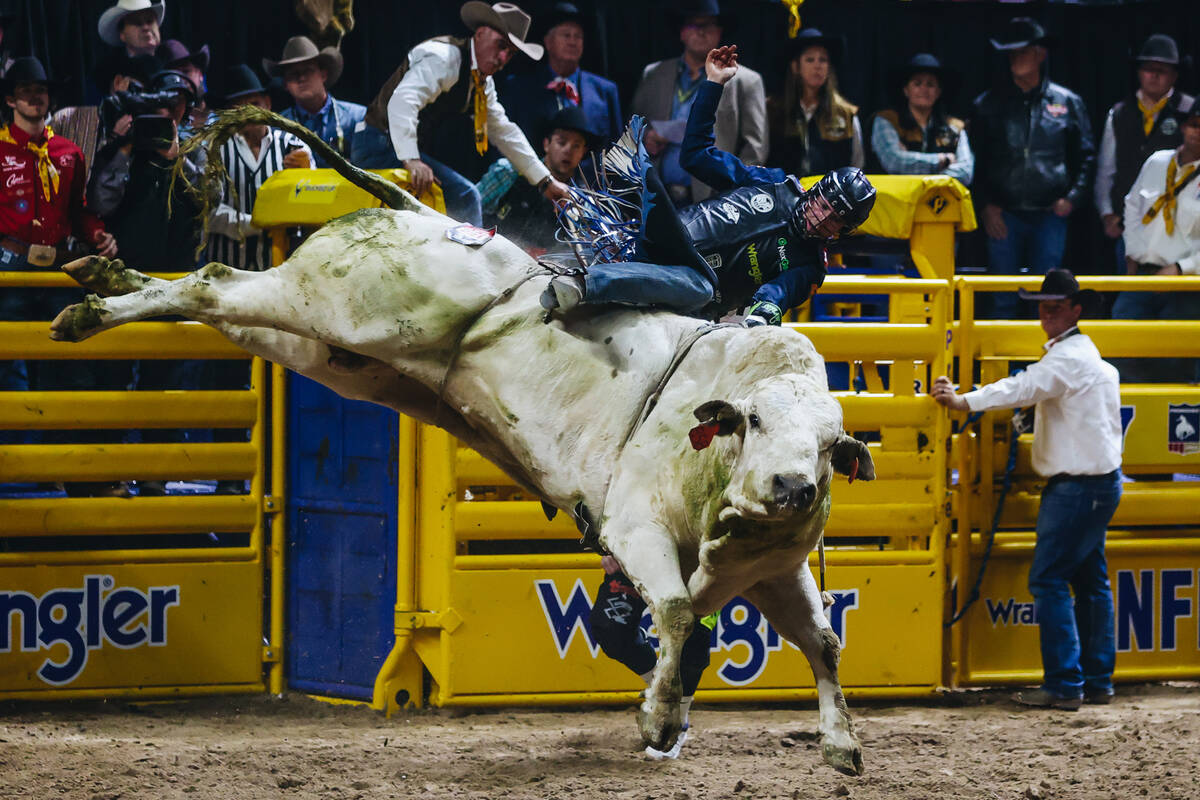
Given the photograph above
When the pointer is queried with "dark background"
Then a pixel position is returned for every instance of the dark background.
(1092, 56)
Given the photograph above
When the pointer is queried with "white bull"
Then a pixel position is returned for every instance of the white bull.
(455, 336)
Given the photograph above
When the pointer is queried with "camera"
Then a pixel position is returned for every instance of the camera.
(152, 132)
(135, 104)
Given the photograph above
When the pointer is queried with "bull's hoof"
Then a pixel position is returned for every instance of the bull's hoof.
(848, 759)
(104, 276)
(345, 362)
(660, 727)
(78, 322)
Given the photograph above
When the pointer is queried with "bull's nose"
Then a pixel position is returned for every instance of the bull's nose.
(793, 491)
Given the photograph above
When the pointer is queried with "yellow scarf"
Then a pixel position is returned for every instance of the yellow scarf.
(1148, 114)
(481, 142)
(46, 170)
(1166, 203)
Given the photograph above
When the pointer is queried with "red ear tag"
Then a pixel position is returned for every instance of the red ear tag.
(702, 435)
(853, 472)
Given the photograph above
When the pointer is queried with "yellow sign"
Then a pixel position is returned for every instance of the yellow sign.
(538, 639)
(130, 625)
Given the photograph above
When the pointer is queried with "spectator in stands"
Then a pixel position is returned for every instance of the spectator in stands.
(307, 74)
(616, 624)
(175, 55)
(419, 112)
(133, 25)
(533, 96)
(1162, 237)
(517, 209)
(1077, 442)
(668, 89)
(1137, 126)
(814, 129)
(250, 157)
(157, 224)
(917, 136)
(1034, 159)
(42, 205)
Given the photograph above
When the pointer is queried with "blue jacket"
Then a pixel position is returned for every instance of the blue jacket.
(529, 103)
(744, 233)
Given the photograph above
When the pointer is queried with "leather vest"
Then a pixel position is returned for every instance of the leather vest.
(811, 154)
(940, 137)
(1134, 146)
(449, 104)
(744, 236)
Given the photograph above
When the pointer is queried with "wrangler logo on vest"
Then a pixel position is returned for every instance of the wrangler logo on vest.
(84, 619)
(755, 272)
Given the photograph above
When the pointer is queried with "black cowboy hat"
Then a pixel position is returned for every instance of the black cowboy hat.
(683, 10)
(572, 118)
(923, 62)
(557, 15)
(27, 69)
(174, 53)
(241, 80)
(1060, 284)
(812, 37)
(1021, 32)
(1160, 47)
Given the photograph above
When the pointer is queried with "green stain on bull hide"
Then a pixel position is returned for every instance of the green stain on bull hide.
(215, 271)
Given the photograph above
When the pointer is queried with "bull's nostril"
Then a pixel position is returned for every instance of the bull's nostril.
(807, 494)
(792, 491)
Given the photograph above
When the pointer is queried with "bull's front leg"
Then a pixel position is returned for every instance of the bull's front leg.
(649, 557)
(792, 604)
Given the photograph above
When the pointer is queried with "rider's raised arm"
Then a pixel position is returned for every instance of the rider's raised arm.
(701, 157)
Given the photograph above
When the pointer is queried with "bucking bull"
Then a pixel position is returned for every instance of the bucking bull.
(596, 413)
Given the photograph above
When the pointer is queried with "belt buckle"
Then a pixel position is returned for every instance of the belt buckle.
(41, 255)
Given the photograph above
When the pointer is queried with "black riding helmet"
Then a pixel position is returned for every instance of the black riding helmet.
(169, 80)
(849, 194)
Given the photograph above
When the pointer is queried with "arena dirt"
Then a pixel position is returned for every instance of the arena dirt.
(978, 745)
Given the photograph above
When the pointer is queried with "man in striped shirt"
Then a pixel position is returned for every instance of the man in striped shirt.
(250, 157)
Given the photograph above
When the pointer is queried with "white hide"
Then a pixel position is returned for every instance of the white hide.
(553, 404)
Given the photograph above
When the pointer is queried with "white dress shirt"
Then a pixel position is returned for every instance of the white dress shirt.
(1077, 427)
(1150, 244)
(433, 68)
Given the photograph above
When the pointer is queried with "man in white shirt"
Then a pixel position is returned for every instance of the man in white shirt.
(1077, 447)
(443, 96)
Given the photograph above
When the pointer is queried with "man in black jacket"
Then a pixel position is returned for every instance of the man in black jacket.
(1034, 158)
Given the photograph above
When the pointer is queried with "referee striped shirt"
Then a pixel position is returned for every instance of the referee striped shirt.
(232, 239)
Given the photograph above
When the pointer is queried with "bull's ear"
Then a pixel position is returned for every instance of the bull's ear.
(852, 457)
(724, 415)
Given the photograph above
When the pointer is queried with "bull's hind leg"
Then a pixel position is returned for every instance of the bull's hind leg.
(792, 604)
(648, 556)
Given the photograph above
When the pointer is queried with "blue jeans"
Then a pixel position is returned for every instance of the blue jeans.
(1157, 305)
(635, 283)
(1035, 243)
(1077, 639)
(371, 148)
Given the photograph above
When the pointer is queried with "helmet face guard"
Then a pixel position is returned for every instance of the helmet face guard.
(835, 205)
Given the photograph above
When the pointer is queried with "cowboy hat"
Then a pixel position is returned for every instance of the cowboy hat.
(299, 49)
(927, 63)
(572, 118)
(173, 53)
(558, 14)
(683, 10)
(27, 69)
(1021, 32)
(1160, 47)
(812, 37)
(505, 17)
(110, 20)
(241, 80)
(1060, 284)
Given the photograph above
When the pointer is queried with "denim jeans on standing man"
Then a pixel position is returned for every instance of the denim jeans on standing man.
(1034, 244)
(1077, 638)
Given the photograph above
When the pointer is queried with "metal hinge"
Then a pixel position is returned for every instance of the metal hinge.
(270, 655)
(272, 504)
(447, 620)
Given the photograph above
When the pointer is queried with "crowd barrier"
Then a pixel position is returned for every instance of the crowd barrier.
(142, 596)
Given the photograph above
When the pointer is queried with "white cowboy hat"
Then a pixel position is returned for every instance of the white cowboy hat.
(504, 17)
(110, 20)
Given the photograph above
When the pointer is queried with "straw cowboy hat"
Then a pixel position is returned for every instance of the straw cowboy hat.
(299, 49)
(504, 17)
(110, 20)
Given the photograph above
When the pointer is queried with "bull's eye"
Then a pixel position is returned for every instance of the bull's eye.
(754, 421)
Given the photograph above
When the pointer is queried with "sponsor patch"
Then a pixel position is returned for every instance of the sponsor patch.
(731, 212)
(1056, 109)
(15, 179)
(762, 203)
(12, 162)
(714, 260)
(1183, 428)
(1170, 127)
(22, 206)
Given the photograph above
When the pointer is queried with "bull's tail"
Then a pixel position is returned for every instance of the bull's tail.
(229, 121)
